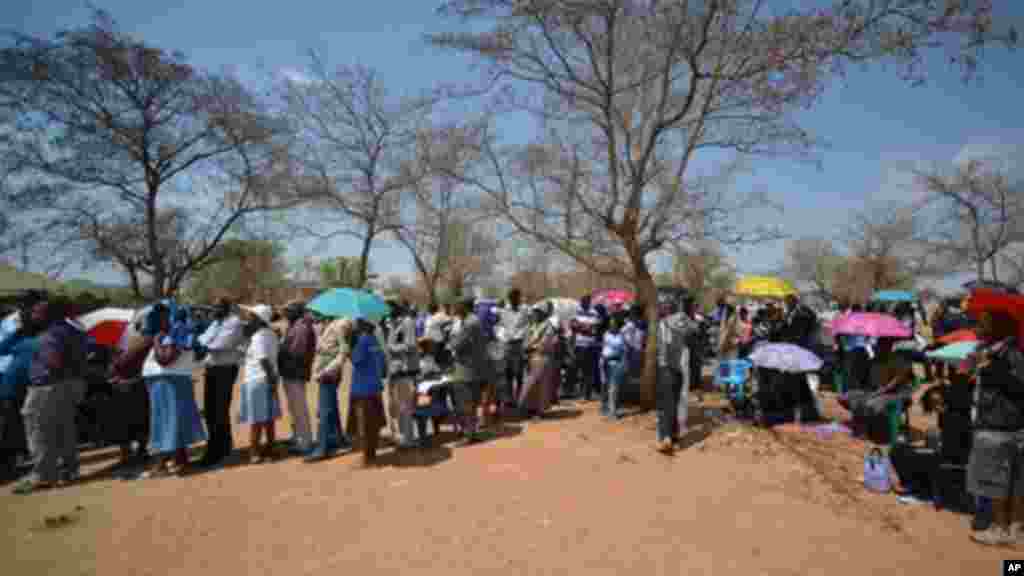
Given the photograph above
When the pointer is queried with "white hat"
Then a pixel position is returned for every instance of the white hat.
(261, 311)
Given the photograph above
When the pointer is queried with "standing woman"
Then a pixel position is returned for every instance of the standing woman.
(995, 469)
(174, 422)
(259, 405)
(541, 348)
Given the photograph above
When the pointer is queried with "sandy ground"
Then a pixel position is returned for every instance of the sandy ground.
(569, 495)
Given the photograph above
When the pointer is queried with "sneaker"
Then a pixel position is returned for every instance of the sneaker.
(993, 536)
(664, 446)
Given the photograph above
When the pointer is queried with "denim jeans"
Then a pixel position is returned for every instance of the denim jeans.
(668, 389)
(613, 371)
(328, 436)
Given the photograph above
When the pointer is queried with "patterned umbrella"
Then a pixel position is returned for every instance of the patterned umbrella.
(871, 324)
(786, 358)
(107, 325)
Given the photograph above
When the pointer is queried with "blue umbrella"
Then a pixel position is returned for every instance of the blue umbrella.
(954, 353)
(785, 358)
(350, 303)
(893, 296)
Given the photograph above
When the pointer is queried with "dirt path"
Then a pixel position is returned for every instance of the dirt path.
(568, 496)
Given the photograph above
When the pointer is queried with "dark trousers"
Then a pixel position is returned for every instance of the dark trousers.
(368, 413)
(856, 365)
(220, 383)
(669, 389)
(515, 367)
(586, 370)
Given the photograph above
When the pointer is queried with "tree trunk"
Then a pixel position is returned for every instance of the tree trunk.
(364, 258)
(153, 247)
(648, 294)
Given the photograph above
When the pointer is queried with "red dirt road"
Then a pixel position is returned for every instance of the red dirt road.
(569, 496)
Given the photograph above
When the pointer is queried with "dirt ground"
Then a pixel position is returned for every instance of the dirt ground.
(571, 494)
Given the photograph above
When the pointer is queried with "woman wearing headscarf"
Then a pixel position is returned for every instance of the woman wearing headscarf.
(174, 422)
(332, 373)
(541, 344)
(995, 469)
(259, 407)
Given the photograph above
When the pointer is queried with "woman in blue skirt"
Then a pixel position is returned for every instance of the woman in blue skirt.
(174, 416)
(259, 404)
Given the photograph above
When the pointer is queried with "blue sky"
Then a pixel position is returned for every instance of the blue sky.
(877, 126)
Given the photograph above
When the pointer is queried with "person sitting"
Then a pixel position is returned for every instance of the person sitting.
(890, 378)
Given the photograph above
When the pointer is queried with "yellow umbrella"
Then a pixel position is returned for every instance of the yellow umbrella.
(763, 287)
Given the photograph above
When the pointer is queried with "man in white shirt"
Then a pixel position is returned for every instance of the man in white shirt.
(515, 323)
(224, 342)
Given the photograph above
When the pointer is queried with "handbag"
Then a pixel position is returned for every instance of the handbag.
(876, 472)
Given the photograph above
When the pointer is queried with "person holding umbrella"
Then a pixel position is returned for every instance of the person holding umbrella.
(995, 469)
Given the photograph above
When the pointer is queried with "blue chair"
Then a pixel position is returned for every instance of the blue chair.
(732, 377)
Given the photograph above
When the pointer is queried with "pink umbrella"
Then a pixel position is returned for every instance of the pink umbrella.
(870, 324)
(613, 298)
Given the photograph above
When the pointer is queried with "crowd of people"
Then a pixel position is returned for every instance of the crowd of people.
(498, 360)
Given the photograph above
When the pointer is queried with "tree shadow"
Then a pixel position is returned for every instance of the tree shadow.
(425, 457)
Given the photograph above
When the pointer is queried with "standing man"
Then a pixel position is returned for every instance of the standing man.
(675, 333)
(49, 411)
(405, 365)
(469, 348)
(295, 365)
(515, 323)
(586, 332)
(18, 345)
(224, 341)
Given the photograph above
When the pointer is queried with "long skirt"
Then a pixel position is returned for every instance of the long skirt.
(537, 390)
(994, 467)
(173, 416)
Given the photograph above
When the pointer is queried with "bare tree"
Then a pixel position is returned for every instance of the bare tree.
(441, 225)
(978, 210)
(133, 155)
(630, 92)
(813, 260)
(357, 147)
(704, 269)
